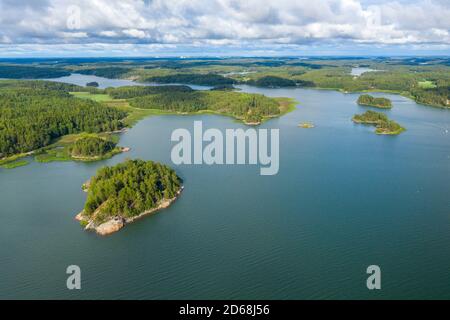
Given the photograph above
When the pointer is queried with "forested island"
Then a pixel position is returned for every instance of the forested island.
(123, 193)
(382, 123)
(93, 148)
(93, 84)
(368, 100)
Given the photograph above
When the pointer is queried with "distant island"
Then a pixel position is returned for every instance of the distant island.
(306, 125)
(381, 121)
(93, 148)
(121, 194)
(92, 84)
(368, 100)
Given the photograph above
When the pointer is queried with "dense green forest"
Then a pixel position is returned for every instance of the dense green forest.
(383, 124)
(439, 96)
(45, 85)
(31, 72)
(192, 78)
(35, 113)
(129, 189)
(128, 92)
(272, 81)
(91, 147)
(368, 100)
(31, 117)
(106, 72)
(236, 104)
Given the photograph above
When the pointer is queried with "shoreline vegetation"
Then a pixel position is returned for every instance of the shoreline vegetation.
(60, 150)
(77, 112)
(15, 164)
(426, 83)
(383, 125)
(136, 110)
(121, 194)
(368, 100)
(426, 80)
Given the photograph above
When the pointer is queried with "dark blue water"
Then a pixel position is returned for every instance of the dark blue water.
(344, 198)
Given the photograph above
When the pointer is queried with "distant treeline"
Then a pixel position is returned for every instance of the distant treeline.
(45, 85)
(274, 82)
(31, 72)
(105, 72)
(209, 79)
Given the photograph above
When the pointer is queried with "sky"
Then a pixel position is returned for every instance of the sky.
(158, 28)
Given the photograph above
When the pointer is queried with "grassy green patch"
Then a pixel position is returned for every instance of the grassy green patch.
(427, 84)
(93, 96)
(15, 164)
(53, 155)
(13, 158)
(60, 150)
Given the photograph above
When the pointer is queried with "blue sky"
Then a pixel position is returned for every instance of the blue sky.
(41, 28)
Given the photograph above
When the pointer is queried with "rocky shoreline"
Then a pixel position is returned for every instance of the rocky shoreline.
(118, 222)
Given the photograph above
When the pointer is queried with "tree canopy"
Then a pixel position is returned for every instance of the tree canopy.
(129, 189)
(32, 116)
(368, 100)
(92, 147)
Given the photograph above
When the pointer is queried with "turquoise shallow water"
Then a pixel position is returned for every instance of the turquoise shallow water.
(344, 199)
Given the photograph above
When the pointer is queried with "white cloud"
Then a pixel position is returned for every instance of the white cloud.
(108, 33)
(135, 33)
(73, 34)
(227, 22)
